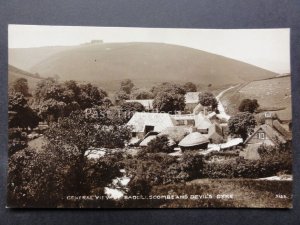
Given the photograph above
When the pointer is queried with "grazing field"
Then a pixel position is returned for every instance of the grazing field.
(272, 95)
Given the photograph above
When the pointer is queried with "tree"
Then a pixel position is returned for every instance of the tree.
(208, 99)
(21, 85)
(121, 96)
(190, 87)
(132, 107)
(127, 86)
(142, 94)
(23, 116)
(160, 144)
(248, 105)
(169, 98)
(241, 124)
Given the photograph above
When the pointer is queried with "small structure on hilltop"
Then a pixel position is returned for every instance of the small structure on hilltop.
(270, 134)
(194, 141)
(191, 101)
(147, 103)
(144, 122)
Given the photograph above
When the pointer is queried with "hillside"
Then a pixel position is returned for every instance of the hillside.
(25, 58)
(144, 63)
(272, 95)
(15, 73)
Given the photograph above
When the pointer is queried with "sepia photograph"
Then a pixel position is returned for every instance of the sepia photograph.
(128, 117)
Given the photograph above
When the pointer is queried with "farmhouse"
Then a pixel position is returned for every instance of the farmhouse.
(269, 134)
(144, 122)
(147, 103)
(184, 119)
(202, 123)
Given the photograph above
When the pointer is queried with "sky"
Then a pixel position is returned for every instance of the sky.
(265, 48)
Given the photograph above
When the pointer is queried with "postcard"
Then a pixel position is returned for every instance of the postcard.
(124, 117)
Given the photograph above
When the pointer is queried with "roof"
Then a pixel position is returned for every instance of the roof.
(160, 121)
(145, 142)
(175, 133)
(215, 129)
(147, 103)
(201, 122)
(198, 109)
(192, 97)
(193, 139)
(282, 130)
(183, 117)
(270, 132)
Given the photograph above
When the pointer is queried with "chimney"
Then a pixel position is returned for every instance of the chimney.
(269, 119)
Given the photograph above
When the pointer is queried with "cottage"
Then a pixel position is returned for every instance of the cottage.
(269, 134)
(147, 103)
(194, 141)
(202, 123)
(144, 122)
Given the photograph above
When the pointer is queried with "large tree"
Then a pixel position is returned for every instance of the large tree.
(21, 114)
(208, 99)
(21, 85)
(242, 124)
(248, 105)
(190, 87)
(169, 98)
(142, 94)
(127, 86)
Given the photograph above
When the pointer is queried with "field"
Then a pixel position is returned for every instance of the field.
(272, 95)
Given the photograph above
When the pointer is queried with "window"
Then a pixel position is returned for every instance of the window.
(261, 135)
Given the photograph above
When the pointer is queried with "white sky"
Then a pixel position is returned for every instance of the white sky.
(266, 48)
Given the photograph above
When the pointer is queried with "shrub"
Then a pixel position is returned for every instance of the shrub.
(159, 144)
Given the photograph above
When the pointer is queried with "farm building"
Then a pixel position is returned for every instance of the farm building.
(194, 141)
(191, 101)
(144, 122)
(202, 123)
(147, 103)
(215, 134)
(184, 119)
(176, 133)
(264, 134)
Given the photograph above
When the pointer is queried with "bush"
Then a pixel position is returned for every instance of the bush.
(159, 144)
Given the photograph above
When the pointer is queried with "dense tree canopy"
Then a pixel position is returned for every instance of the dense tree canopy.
(248, 105)
(169, 98)
(21, 85)
(132, 107)
(190, 87)
(142, 94)
(21, 115)
(126, 86)
(242, 124)
(208, 99)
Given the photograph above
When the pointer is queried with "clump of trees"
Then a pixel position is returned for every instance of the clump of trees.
(20, 85)
(248, 105)
(168, 98)
(190, 87)
(207, 99)
(132, 107)
(142, 94)
(159, 144)
(241, 124)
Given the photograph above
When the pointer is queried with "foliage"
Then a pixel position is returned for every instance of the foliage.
(121, 96)
(142, 94)
(169, 98)
(208, 99)
(17, 140)
(132, 107)
(159, 144)
(21, 85)
(21, 114)
(241, 124)
(248, 105)
(126, 86)
(190, 87)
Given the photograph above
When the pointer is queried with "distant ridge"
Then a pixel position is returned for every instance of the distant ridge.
(154, 62)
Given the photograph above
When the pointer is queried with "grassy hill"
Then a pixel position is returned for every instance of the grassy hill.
(15, 73)
(144, 63)
(272, 95)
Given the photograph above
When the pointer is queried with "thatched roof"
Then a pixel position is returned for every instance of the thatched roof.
(160, 121)
(277, 125)
(193, 139)
(145, 142)
(175, 133)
